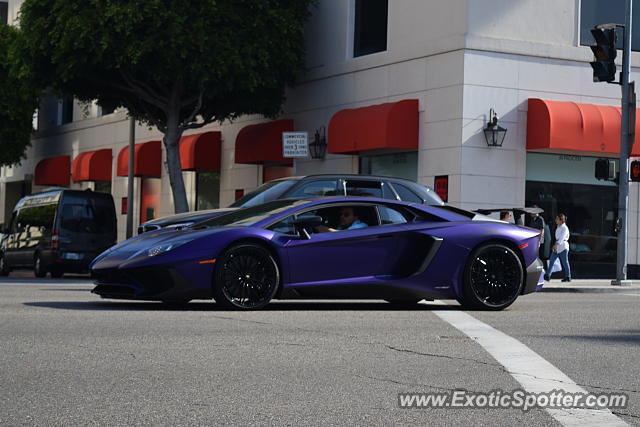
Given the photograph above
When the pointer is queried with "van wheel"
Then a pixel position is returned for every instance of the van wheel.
(38, 268)
(4, 268)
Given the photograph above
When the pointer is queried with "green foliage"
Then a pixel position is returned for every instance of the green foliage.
(18, 101)
(202, 60)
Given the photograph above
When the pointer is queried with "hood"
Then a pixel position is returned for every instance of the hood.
(129, 248)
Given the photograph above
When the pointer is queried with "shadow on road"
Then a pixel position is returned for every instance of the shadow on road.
(211, 306)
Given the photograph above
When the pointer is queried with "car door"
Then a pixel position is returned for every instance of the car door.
(343, 255)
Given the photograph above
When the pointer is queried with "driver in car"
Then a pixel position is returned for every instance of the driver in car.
(348, 219)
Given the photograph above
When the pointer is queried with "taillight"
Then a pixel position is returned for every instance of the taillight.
(54, 240)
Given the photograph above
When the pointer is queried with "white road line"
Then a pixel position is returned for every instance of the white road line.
(534, 373)
(636, 295)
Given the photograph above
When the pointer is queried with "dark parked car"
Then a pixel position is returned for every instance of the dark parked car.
(401, 252)
(58, 231)
(310, 186)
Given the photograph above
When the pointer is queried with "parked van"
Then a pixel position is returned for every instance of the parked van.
(58, 231)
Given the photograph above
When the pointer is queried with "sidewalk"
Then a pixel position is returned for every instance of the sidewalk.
(589, 286)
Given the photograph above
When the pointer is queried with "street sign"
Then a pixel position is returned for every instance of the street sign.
(295, 144)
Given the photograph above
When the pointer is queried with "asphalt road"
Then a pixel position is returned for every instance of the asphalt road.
(70, 358)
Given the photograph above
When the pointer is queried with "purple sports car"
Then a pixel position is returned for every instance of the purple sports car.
(338, 247)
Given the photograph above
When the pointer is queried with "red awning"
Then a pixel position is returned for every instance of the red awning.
(201, 152)
(262, 143)
(569, 127)
(147, 160)
(92, 166)
(53, 171)
(392, 125)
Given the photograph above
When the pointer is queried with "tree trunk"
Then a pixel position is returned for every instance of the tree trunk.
(171, 144)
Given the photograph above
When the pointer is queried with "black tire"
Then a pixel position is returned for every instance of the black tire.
(4, 268)
(246, 277)
(56, 274)
(38, 268)
(493, 278)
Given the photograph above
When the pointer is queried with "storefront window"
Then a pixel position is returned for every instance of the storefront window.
(399, 165)
(591, 214)
(208, 190)
(102, 187)
(562, 183)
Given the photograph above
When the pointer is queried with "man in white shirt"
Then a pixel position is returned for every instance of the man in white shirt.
(561, 248)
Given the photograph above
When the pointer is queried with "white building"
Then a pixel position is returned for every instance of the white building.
(438, 68)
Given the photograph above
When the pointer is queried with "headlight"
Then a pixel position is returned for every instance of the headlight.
(157, 250)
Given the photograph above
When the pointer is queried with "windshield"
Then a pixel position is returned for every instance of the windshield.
(249, 216)
(265, 193)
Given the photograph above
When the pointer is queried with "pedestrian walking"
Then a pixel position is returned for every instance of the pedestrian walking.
(560, 249)
(538, 223)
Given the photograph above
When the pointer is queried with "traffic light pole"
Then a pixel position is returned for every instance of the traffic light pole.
(625, 151)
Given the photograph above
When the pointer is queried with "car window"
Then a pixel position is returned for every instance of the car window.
(387, 192)
(285, 226)
(406, 194)
(364, 188)
(317, 189)
(390, 216)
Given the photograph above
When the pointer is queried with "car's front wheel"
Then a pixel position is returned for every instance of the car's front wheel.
(246, 277)
(493, 278)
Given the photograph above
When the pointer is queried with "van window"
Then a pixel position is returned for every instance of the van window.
(36, 217)
(87, 215)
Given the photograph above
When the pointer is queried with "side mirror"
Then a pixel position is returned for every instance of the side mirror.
(305, 223)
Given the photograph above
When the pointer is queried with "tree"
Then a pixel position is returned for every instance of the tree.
(176, 65)
(18, 102)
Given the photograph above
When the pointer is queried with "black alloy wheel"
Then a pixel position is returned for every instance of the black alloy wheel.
(38, 268)
(4, 268)
(493, 278)
(246, 277)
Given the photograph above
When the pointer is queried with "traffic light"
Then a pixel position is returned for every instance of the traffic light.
(606, 169)
(604, 67)
(634, 171)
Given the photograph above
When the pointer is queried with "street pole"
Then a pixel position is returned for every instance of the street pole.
(625, 151)
(132, 148)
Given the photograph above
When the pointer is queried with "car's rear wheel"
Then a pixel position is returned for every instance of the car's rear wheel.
(246, 277)
(38, 266)
(4, 268)
(493, 278)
